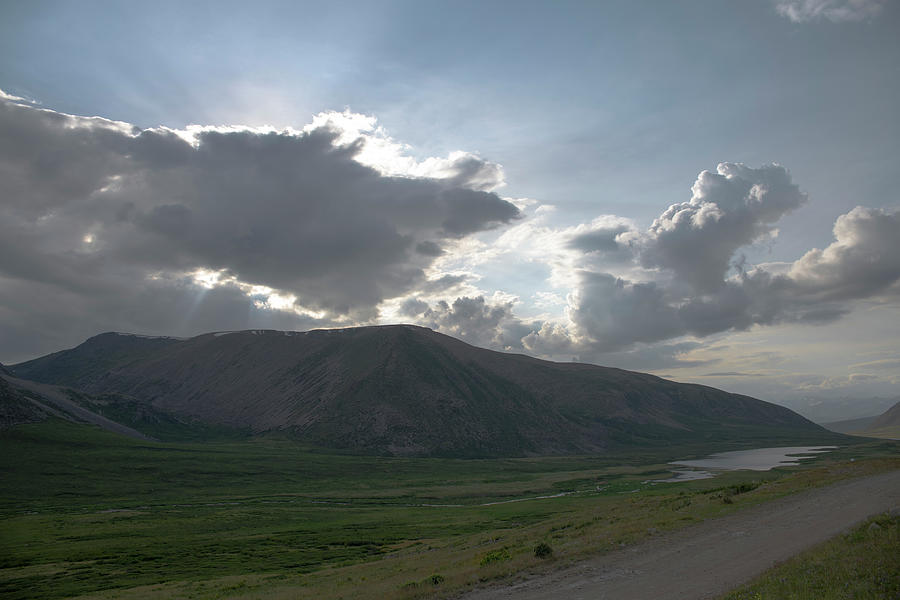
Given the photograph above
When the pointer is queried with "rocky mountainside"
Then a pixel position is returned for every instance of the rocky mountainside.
(408, 390)
(15, 407)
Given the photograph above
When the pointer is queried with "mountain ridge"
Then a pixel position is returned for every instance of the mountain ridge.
(407, 390)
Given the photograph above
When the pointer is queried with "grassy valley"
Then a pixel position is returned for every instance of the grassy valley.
(388, 462)
(89, 513)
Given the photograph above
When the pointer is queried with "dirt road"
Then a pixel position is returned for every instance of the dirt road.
(713, 557)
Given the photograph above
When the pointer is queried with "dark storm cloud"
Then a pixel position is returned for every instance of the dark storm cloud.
(92, 209)
(429, 248)
(58, 317)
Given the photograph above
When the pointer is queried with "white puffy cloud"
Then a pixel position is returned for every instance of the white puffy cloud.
(837, 11)
(693, 285)
(728, 209)
(389, 157)
(627, 290)
(863, 260)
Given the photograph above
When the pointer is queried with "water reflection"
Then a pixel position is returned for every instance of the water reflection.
(760, 459)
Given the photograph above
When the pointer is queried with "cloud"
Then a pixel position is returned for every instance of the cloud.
(94, 209)
(645, 357)
(683, 277)
(884, 363)
(608, 243)
(612, 313)
(36, 318)
(731, 374)
(693, 284)
(107, 226)
(728, 209)
(838, 382)
(863, 260)
(474, 320)
(837, 11)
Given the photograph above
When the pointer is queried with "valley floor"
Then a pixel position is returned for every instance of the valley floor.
(88, 514)
(713, 557)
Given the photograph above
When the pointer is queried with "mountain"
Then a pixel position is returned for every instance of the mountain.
(850, 425)
(890, 418)
(23, 401)
(886, 425)
(408, 390)
(824, 409)
(15, 407)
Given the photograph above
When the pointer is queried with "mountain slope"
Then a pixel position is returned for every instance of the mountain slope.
(890, 418)
(409, 390)
(850, 425)
(23, 401)
(886, 425)
(16, 408)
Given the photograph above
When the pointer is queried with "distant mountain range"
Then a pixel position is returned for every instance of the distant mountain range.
(885, 425)
(824, 409)
(401, 390)
(889, 418)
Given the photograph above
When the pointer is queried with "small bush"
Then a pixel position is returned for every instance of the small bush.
(543, 550)
(495, 556)
(436, 579)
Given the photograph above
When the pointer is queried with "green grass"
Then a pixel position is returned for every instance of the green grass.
(861, 565)
(88, 513)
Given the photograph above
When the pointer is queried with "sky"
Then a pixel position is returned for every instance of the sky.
(703, 190)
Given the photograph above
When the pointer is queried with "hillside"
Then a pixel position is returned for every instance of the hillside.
(886, 425)
(890, 418)
(16, 408)
(408, 390)
(850, 425)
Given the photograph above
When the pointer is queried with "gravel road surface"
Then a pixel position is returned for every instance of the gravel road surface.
(713, 557)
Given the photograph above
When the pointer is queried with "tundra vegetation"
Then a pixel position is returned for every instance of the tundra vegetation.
(863, 564)
(90, 514)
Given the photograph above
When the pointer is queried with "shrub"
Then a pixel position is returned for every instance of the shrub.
(495, 556)
(543, 550)
(436, 579)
